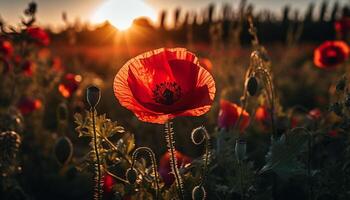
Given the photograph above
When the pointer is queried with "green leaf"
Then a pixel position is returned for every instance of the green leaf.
(282, 155)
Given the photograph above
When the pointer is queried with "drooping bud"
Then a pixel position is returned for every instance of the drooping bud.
(131, 175)
(93, 95)
(240, 149)
(63, 150)
(252, 85)
(198, 193)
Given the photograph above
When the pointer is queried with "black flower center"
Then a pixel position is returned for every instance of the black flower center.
(167, 93)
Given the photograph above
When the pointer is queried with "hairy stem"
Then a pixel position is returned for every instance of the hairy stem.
(173, 161)
(98, 192)
(153, 163)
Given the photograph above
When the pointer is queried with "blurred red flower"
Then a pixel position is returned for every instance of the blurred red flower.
(57, 64)
(330, 54)
(262, 114)
(39, 35)
(108, 182)
(229, 114)
(6, 48)
(206, 63)
(27, 105)
(342, 25)
(165, 168)
(333, 133)
(315, 114)
(28, 68)
(165, 83)
(69, 84)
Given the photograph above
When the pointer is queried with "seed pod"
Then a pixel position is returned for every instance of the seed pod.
(9, 146)
(240, 149)
(131, 175)
(63, 150)
(198, 193)
(252, 85)
(93, 95)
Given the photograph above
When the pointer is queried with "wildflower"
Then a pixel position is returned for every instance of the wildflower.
(315, 114)
(162, 84)
(28, 68)
(229, 114)
(342, 26)
(262, 114)
(165, 168)
(330, 54)
(28, 105)
(108, 182)
(69, 85)
(6, 48)
(39, 35)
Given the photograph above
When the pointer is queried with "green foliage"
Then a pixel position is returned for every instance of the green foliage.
(282, 155)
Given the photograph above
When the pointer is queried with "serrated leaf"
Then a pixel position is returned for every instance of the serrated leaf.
(282, 155)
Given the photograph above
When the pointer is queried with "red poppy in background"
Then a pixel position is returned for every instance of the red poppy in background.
(332, 133)
(69, 84)
(330, 54)
(206, 63)
(28, 105)
(28, 68)
(315, 114)
(342, 26)
(162, 84)
(229, 114)
(108, 182)
(262, 114)
(6, 48)
(39, 35)
(165, 168)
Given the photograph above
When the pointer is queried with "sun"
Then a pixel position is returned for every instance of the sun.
(122, 13)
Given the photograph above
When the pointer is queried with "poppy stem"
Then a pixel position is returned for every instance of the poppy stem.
(153, 163)
(97, 164)
(169, 134)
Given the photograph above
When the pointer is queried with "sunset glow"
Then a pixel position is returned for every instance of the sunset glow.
(122, 13)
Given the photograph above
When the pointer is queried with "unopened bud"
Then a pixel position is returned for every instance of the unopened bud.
(93, 95)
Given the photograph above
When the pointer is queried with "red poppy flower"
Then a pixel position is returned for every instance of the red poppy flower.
(108, 182)
(206, 63)
(165, 168)
(342, 26)
(330, 54)
(333, 133)
(6, 48)
(28, 68)
(315, 114)
(161, 84)
(69, 85)
(229, 114)
(262, 114)
(27, 105)
(39, 35)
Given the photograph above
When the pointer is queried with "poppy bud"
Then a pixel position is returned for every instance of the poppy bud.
(63, 150)
(240, 149)
(131, 175)
(198, 193)
(252, 85)
(9, 145)
(93, 95)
